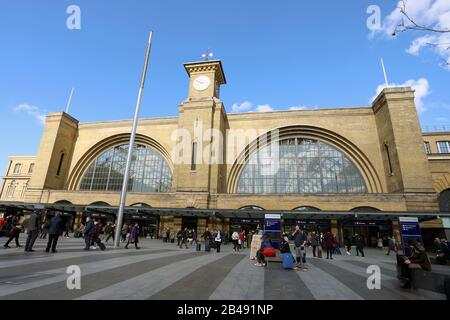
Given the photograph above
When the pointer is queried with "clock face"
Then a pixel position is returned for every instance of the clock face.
(202, 83)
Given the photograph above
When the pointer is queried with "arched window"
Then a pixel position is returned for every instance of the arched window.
(307, 208)
(149, 171)
(300, 165)
(24, 190)
(11, 189)
(444, 201)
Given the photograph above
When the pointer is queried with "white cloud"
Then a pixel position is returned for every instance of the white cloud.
(247, 106)
(298, 108)
(244, 106)
(430, 13)
(33, 111)
(421, 88)
(263, 108)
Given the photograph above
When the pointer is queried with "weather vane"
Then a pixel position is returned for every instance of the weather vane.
(208, 54)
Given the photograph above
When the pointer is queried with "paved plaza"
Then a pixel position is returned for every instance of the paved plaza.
(163, 271)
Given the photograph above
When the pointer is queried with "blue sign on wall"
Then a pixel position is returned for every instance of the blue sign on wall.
(409, 229)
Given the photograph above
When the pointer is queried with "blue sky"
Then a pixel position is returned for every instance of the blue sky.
(276, 55)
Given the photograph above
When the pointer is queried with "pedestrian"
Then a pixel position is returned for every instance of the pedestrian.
(179, 237)
(218, 240)
(164, 235)
(359, 245)
(34, 224)
(55, 230)
(110, 232)
(67, 229)
(320, 246)
(241, 240)
(125, 231)
(88, 232)
(380, 243)
(14, 233)
(194, 236)
(348, 245)
(329, 242)
(134, 236)
(235, 239)
(207, 236)
(300, 239)
(391, 245)
(184, 238)
(44, 227)
(314, 242)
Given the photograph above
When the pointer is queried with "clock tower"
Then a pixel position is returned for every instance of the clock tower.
(202, 120)
(206, 77)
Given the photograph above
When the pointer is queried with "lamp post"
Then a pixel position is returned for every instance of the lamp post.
(126, 175)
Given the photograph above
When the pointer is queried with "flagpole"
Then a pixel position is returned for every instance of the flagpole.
(384, 72)
(123, 194)
(69, 101)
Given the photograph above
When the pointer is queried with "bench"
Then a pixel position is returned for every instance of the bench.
(276, 259)
(431, 281)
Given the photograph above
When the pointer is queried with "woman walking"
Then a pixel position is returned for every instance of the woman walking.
(134, 236)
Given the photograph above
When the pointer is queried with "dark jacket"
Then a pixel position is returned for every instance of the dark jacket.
(299, 238)
(314, 240)
(56, 226)
(329, 240)
(89, 230)
(134, 233)
(284, 247)
(206, 235)
(34, 223)
(421, 259)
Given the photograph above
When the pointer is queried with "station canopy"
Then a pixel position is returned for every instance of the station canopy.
(246, 213)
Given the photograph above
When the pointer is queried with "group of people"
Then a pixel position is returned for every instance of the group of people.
(40, 224)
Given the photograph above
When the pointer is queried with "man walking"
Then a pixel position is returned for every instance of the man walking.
(314, 242)
(34, 223)
(184, 237)
(359, 245)
(54, 231)
(300, 240)
(88, 232)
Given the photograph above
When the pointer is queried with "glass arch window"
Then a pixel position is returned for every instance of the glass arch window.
(298, 165)
(149, 171)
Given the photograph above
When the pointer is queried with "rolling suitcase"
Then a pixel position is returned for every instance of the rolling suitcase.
(199, 246)
(101, 245)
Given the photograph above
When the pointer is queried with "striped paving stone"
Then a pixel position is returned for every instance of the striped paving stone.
(40, 288)
(200, 284)
(150, 283)
(356, 281)
(243, 282)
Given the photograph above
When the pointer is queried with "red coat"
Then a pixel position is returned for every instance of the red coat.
(329, 240)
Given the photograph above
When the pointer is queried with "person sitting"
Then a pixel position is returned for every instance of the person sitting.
(417, 260)
(260, 257)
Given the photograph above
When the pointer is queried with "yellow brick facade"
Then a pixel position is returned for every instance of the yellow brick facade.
(406, 180)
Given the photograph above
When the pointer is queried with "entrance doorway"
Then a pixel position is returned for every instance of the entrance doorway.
(371, 231)
(189, 222)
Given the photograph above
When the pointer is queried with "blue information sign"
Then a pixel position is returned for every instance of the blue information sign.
(410, 229)
(272, 227)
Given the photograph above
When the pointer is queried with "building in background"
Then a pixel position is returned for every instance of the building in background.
(366, 162)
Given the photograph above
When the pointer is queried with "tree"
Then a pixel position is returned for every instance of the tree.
(408, 23)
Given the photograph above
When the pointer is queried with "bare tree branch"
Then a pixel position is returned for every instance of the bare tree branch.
(402, 27)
